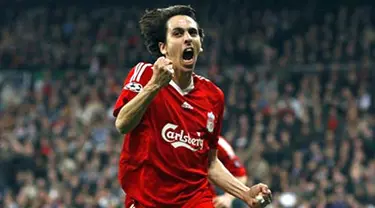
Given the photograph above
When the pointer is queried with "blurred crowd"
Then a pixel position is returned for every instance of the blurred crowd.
(310, 134)
(75, 37)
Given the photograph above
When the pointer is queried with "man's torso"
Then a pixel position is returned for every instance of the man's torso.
(166, 155)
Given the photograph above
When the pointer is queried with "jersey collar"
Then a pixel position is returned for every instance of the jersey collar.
(183, 91)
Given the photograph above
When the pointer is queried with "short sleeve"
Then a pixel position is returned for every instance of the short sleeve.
(225, 149)
(229, 158)
(136, 79)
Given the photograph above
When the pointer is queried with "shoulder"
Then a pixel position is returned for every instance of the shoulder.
(222, 140)
(138, 77)
(214, 92)
(224, 143)
(225, 148)
(139, 71)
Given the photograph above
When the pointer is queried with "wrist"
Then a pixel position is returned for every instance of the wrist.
(152, 87)
(245, 195)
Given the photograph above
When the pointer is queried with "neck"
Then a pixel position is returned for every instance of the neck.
(182, 79)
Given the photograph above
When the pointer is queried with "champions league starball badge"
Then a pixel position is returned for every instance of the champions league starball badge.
(134, 87)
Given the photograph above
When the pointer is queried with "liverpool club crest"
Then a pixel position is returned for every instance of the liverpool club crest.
(210, 122)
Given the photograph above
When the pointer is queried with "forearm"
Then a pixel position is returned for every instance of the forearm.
(242, 179)
(130, 115)
(221, 177)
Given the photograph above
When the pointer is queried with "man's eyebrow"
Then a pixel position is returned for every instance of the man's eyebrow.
(180, 28)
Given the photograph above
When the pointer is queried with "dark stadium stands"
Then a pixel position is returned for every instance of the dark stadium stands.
(298, 84)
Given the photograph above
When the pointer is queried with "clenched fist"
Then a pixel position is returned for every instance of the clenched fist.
(162, 72)
(258, 196)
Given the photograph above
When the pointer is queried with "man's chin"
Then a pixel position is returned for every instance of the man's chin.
(188, 67)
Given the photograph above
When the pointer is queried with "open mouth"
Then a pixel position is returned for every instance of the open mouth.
(188, 54)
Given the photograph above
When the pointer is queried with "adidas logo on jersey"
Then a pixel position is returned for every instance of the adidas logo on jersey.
(186, 105)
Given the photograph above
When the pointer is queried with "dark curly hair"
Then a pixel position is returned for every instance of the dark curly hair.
(153, 25)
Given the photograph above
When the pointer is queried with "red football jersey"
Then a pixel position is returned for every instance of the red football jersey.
(230, 160)
(164, 160)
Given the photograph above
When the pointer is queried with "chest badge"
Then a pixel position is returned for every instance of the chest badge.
(210, 122)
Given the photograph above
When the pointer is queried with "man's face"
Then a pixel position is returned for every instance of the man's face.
(183, 42)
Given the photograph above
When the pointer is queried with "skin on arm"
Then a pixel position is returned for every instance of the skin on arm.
(242, 179)
(132, 112)
(225, 200)
(130, 115)
(221, 177)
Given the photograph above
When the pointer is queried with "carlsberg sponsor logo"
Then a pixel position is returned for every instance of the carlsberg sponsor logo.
(178, 138)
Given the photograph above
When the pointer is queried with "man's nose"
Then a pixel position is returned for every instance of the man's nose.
(187, 38)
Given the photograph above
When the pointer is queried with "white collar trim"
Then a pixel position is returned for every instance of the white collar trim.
(183, 91)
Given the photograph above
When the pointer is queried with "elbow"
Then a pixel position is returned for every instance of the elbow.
(121, 127)
(210, 172)
(211, 177)
(212, 169)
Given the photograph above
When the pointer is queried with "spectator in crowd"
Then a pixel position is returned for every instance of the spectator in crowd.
(299, 102)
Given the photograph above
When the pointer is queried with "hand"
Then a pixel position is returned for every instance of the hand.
(223, 201)
(162, 72)
(260, 190)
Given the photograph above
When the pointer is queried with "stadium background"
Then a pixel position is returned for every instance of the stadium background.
(297, 76)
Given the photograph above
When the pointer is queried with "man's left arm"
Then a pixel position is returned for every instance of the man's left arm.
(227, 199)
(230, 160)
(220, 176)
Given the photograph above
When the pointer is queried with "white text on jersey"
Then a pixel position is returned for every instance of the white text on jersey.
(180, 139)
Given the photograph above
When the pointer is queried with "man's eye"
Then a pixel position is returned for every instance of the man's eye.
(177, 33)
(193, 32)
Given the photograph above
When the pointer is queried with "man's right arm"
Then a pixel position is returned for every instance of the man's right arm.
(130, 114)
(135, 99)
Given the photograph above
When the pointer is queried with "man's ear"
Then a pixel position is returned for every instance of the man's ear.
(163, 48)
